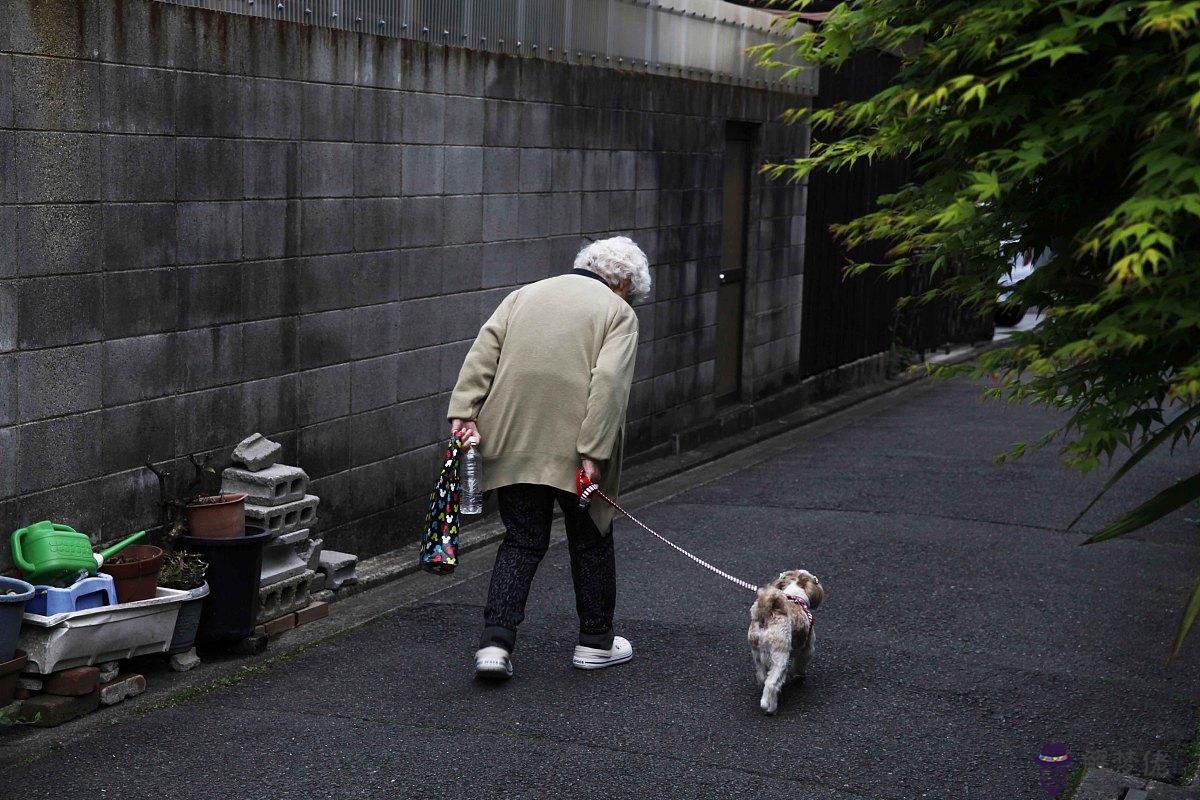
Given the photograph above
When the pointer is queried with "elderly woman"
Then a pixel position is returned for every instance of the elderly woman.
(544, 390)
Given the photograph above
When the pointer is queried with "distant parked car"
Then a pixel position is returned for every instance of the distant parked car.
(1008, 311)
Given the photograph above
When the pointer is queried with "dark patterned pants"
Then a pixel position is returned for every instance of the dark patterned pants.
(527, 510)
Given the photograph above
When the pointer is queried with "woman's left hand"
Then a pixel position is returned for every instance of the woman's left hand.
(466, 428)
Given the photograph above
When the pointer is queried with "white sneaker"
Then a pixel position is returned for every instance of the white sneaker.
(595, 658)
(493, 663)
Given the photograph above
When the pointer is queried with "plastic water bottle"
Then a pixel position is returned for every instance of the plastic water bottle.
(472, 481)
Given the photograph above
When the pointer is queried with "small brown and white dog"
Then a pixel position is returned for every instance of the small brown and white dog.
(782, 638)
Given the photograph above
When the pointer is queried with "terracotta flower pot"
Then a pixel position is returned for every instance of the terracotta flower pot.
(9, 672)
(221, 516)
(135, 572)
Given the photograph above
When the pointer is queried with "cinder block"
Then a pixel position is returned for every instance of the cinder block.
(58, 381)
(211, 356)
(327, 112)
(464, 119)
(327, 169)
(378, 223)
(272, 169)
(136, 99)
(378, 115)
(502, 124)
(121, 688)
(133, 433)
(536, 170)
(55, 94)
(280, 562)
(463, 170)
(56, 167)
(209, 232)
(422, 170)
(500, 217)
(58, 29)
(424, 118)
(285, 597)
(58, 451)
(138, 168)
(533, 216)
(331, 56)
(324, 394)
(50, 711)
(536, 125)
(464, 220)
(373, 383)
(318, 584)
(54, 311)
(153, 292)
(185, 661)
(257, 452)
(327, 226)
(501, 170)
(284, 518)
(270, 229)
(8, 390)
(273, 109)
(324, 338)
(311, 551)
(275, 485)
(208, 169)
(566, 170)
(324, 448)
(341, 569)
(311, 613)
(596, 165)
(377, 170)
(137, 235)
(141, 368)
(210, 105)
(31, 683)
(6, 89)
(422, 221)
(73, 682)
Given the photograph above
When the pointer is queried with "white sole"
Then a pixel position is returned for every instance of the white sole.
(493, 669)
(599, 662)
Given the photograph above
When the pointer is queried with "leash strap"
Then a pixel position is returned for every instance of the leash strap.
(587, 489)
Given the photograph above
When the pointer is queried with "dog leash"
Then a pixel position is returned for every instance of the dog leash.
(586, 489)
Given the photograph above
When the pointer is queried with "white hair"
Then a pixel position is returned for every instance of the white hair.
(616, 260)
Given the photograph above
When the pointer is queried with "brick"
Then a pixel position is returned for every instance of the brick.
(57, 167)
(56, 311)
(55, 94)
(141, 368)
(209, 232)
(327, 169)
(464, 119)
(140, 302)
(49, 711)
(137, 235)
(422, 170)
(378, 115)
(311, 613)
(73, 682)
(136, 433)
(378, 170)
(270, 229)
(273, 485)
(277, 626)
(273, 109)
(327, 112)
(209, 169)
(136, 99)
(422, 221)
(378, 223)
(121, 688)
(138, 168)
(327, 226)
(501, 170)
(62, 380)
(210, 105)
(272, 169)
(424, 118)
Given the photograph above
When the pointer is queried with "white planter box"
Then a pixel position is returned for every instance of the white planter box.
(95, 635)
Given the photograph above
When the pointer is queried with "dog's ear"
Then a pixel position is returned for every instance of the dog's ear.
(814, 591)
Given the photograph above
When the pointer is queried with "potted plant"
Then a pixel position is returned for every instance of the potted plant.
(211, 514)
(14, 594)
(135, 572)
(234, 573)
(185, 571)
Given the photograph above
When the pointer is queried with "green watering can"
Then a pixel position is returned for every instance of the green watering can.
(47, 552)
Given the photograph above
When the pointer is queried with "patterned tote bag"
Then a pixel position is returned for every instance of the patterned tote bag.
(439, 545)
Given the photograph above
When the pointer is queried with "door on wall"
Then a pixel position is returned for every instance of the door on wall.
(735, 208)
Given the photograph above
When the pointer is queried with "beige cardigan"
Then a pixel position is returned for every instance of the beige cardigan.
(547, 381)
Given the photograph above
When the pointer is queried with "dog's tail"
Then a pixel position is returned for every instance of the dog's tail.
(770, 601)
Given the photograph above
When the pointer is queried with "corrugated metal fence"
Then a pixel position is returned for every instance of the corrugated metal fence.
(698, 39)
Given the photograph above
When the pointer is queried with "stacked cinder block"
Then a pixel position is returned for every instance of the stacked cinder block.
(50, 700)
(277, 500)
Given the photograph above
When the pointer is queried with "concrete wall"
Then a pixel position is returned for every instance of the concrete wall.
(213, 224)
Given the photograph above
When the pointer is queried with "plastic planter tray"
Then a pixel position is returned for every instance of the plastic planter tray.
(95, 635)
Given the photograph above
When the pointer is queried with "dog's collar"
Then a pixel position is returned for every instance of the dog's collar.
(802, 601)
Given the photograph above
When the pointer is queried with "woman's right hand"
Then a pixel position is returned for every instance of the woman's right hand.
(466, 428)
(591, 469)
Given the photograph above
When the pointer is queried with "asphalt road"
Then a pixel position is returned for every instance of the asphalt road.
(962, 630)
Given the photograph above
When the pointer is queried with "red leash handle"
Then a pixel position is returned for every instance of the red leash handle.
(584, 488)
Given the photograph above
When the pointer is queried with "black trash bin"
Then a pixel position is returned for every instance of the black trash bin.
(234, 572)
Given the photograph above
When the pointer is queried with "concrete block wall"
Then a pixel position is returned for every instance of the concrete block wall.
(213, 224)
